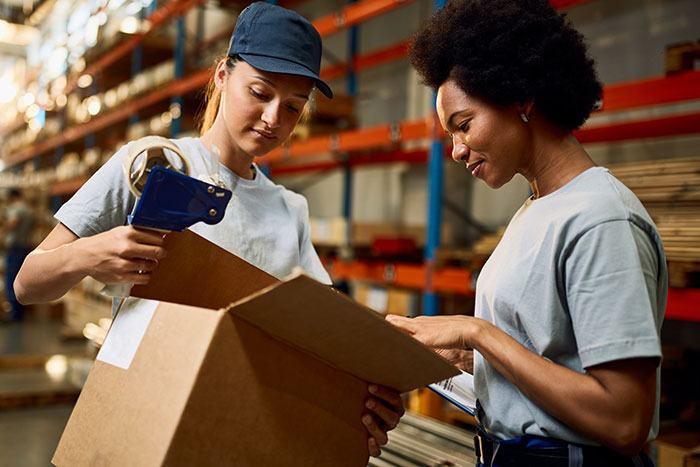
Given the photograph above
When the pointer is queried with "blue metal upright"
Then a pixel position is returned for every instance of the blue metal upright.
(179, 72)
(351, 88)
(137, 63)
(435, 182)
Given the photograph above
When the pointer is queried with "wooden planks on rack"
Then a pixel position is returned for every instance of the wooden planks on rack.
(670, 190)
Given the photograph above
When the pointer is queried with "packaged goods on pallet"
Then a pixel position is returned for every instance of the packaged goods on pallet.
(387, 300)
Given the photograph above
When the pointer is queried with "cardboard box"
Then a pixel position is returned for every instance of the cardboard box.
(240, 369)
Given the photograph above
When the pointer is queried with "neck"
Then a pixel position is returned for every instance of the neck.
(232, 156)
(557, 159)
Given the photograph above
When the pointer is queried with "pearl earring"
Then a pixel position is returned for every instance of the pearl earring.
(524, 117)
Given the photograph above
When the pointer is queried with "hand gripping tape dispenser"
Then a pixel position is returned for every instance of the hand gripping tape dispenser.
(168, 198)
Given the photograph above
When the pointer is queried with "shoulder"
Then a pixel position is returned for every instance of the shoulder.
(296, 202)
(597, 197)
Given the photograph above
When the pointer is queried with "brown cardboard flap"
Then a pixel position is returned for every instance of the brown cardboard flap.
(345, 334)
(199, 273)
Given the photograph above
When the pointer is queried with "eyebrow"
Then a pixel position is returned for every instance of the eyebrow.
(262, 78)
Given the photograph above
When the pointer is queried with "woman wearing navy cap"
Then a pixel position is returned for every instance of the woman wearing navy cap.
(255, 98)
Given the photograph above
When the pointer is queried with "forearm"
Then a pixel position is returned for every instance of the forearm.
(577, 399)
(48, 274)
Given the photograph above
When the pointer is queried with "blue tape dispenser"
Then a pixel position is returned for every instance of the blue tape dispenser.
(168, 198)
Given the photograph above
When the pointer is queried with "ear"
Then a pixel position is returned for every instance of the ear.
(220, 74)
(525, 108)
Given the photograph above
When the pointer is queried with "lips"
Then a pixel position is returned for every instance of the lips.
(265, 134)
(474, 167)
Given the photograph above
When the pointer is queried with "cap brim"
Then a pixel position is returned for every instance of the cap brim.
(279, 65)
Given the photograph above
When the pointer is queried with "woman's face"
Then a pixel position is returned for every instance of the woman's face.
(260, 109)
(493, 141)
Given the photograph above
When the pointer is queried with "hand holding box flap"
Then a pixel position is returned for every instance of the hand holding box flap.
(343, 333)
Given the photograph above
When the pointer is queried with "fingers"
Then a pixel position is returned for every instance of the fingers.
(374, 450)
(389, 417)
(386, 409)
(378, 435)
(148, 252)
(389, 396)
(149, 237)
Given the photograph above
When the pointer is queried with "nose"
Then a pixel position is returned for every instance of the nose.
(460, 151)
(271, 115)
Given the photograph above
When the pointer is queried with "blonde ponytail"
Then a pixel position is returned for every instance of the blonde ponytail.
(212, 98)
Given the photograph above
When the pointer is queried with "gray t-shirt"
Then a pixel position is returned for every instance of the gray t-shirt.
(265, 224)
(579, 278)
(18, 237)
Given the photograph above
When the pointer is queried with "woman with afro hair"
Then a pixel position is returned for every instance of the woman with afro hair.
(566, 332)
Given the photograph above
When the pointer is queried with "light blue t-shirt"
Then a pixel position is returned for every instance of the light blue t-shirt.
(265, 224)
(579, 278)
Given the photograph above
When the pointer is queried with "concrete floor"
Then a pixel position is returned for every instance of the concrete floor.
(36, 398)
(28, 436)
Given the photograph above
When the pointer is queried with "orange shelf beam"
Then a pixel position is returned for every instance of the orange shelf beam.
(683, 304)
(683, 86)
(383, 135)
(372, 59)
(355, 14)
(413, 276)
(67, 187)
(365, 138)
(673, 125)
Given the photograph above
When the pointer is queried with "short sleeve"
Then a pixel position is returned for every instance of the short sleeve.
(310, 262)
(611, 280)
(102, 203)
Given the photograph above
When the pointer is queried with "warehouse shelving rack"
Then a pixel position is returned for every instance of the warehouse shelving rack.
(683, 303)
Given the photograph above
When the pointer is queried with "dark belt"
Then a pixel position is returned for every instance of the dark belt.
(556, 454)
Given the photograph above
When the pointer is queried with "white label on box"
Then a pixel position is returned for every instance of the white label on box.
(377, 299)
(127, 331)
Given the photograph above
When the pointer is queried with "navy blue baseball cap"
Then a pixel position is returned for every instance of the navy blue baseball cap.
(271, 38)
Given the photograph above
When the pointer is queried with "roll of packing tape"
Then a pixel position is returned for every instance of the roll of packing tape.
(148, 152)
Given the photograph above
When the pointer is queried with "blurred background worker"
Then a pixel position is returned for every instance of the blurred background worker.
(17, 225)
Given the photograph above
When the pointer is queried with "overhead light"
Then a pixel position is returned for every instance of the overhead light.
(93, 105)
(32, 111)
(17, 34)
(84, 81)
(130, 25)
(79, 65)
(8, 90)
(61, 101)
(175, 110)
(133, 8)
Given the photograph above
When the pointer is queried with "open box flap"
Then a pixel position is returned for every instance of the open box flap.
(345, 334)
(197, 272)
(299, 311)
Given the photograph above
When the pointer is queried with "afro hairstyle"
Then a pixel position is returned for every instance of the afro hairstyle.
(510, 52)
